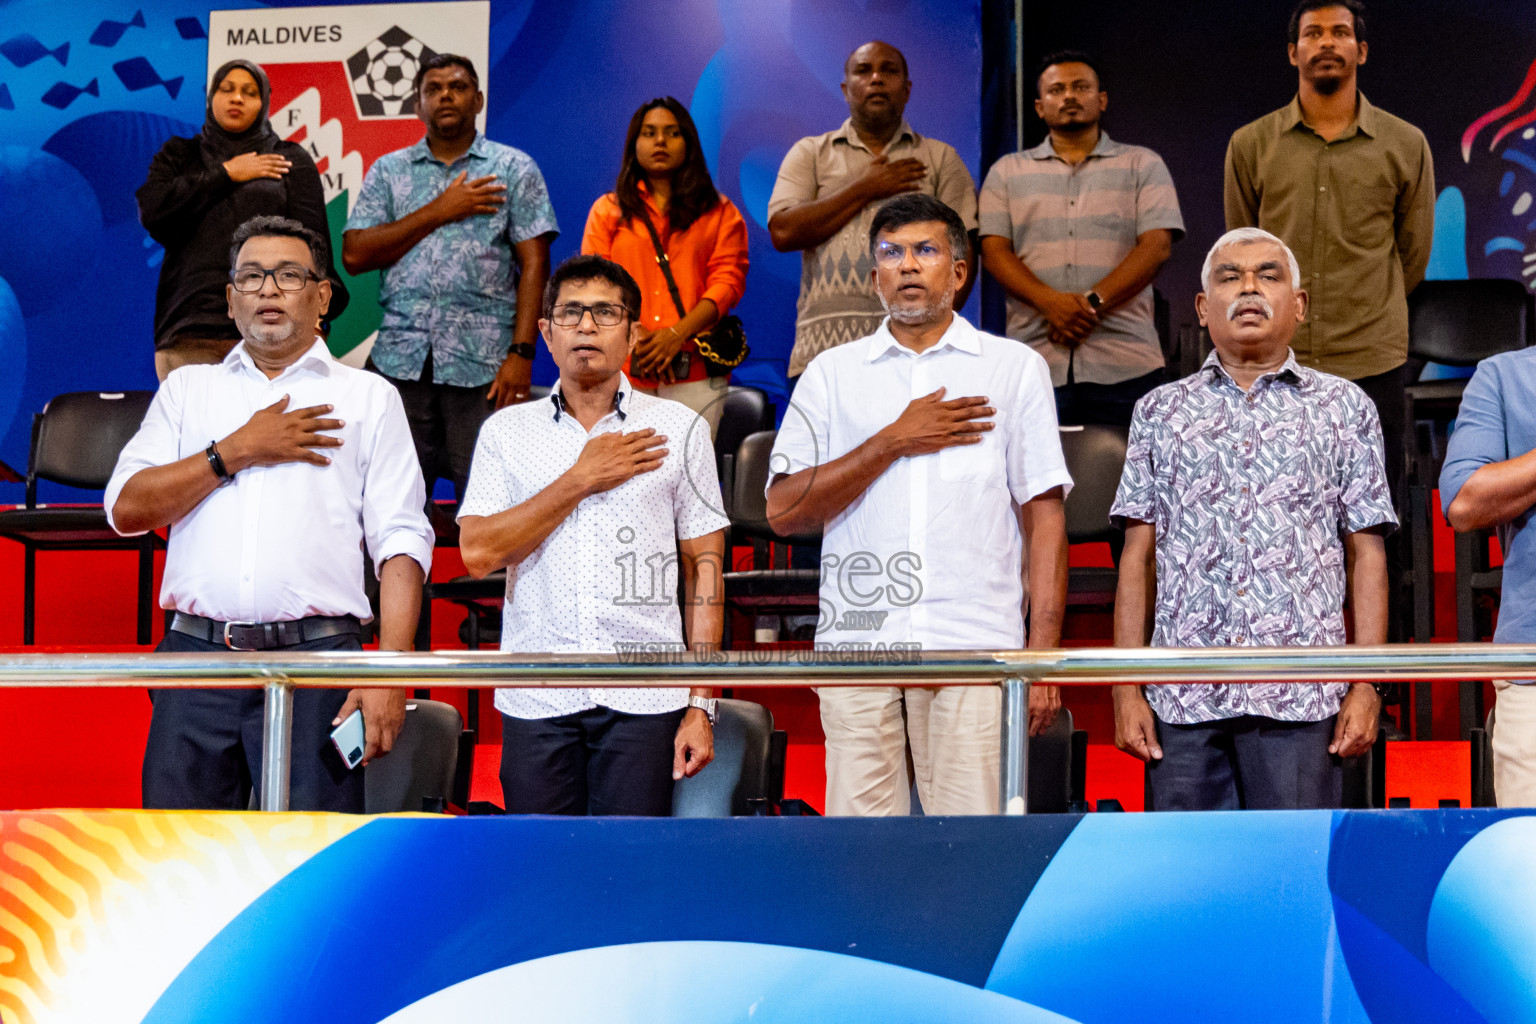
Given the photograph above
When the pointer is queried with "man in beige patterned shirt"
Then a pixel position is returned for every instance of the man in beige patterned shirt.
(827, 191)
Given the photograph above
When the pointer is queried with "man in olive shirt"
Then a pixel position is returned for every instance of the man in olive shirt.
(1351, 189)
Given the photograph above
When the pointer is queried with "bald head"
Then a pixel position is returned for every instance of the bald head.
(876, 88)
(873, 52)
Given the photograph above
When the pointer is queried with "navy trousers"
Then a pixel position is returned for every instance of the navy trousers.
(1245, 762)
(204, 749)
(597, 761)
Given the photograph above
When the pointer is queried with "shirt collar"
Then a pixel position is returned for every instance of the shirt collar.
(421, 151)
(317, 357)
(1364, 123)
(1290, 371)
(848, 135)
(960, 336)
(1104, 147)
(557, 399)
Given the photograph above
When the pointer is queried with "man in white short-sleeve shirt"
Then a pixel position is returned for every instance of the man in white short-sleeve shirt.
(928, 454)
(271, 470)
(590, 500)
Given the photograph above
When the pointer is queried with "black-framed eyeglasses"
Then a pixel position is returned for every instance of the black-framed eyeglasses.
(288, 278)
(604, 314)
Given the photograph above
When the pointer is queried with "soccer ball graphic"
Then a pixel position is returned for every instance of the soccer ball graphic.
(382, 73)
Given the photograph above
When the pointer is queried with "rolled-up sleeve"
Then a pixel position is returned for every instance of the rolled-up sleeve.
(804, 437)
(157, 443)
(1035, 460)
(1479, 438)
(726, 269)
(394, 494)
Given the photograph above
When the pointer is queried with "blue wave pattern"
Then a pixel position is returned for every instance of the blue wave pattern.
(1281, 916)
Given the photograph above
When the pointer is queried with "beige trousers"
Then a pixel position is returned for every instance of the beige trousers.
(955, 733)
(702, 396)
(1514, 744)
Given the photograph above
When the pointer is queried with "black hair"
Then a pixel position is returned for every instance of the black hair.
(269, 226)
(1355, 8)
(1050, 60)
(919, 208)
(592, 268)
(693, 193)
(443, 60)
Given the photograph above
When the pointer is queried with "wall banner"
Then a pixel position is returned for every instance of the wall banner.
(341, 86)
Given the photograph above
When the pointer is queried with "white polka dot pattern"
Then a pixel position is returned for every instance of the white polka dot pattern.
(607, 576)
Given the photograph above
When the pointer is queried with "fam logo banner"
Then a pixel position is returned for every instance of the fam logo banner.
(341, 87)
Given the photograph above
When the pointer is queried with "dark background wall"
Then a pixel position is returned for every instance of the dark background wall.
(1182, 77)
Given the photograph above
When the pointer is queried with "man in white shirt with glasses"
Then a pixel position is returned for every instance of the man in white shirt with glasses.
(928, 454)
(272, 470)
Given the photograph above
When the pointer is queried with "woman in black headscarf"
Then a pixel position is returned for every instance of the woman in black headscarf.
(200, 190)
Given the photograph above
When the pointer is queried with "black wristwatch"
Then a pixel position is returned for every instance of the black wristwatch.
(523, 351)
(1094, 300)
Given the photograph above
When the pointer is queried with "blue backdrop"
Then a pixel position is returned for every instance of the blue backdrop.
(88, 93)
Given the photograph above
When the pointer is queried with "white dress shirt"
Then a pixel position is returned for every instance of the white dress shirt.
(607, 576)
(930, 554)
(284, 542)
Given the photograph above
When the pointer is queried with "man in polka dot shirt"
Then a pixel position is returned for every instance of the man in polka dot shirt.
(593, 501)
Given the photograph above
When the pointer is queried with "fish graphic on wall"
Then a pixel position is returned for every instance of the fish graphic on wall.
(25, 49)
(110, 32)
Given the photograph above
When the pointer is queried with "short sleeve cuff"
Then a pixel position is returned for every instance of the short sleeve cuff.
(544, 224)
(1033, 488)
(405, 542)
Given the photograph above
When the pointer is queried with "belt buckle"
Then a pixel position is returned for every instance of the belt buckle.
(228, 642)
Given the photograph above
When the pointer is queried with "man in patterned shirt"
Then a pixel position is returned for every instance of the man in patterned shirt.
(829, 186)
(1253, 500)
(460, 227)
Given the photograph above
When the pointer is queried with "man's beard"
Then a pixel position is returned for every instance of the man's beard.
(914, 316)
(273, 334)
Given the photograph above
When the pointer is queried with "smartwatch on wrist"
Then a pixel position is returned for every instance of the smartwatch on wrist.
(524, 351)
(1094, 300)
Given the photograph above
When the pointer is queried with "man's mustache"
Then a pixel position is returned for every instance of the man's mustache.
(1250, 303)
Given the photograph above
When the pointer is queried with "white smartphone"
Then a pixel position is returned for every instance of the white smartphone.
(350, 739)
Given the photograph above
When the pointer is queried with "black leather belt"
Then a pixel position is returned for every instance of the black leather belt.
(262, 636)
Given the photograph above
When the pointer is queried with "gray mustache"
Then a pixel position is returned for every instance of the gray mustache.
(1251, 303)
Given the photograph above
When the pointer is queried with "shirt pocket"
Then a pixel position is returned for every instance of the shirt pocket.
(1368, 211)
(983, 464)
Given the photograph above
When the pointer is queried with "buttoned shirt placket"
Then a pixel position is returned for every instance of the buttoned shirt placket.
(252, 486)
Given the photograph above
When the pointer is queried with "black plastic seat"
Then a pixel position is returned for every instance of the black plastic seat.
(76, 440)
(1095, 457)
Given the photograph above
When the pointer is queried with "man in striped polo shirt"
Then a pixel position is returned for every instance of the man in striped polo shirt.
(1075, 230)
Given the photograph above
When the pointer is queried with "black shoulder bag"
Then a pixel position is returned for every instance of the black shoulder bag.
(724, 346)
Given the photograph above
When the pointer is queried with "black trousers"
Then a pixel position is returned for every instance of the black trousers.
(1110, 404)
(597, 761)
(445, 420)
(1246, 762)
(1387, 391)
(204, 749)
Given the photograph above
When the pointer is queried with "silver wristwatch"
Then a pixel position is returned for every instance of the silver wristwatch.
(704, 704)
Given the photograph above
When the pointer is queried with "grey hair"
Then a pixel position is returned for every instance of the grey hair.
(1238, 236)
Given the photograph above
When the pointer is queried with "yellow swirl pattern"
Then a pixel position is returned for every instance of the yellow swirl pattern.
(101, 910)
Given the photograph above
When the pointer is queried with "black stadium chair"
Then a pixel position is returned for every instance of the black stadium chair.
(1455, 323)
(1095, 457)
(76, 440)
(776, 590)
(746, 411)
(429, 767)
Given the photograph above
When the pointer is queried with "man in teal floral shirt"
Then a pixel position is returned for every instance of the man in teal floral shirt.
(460, 227)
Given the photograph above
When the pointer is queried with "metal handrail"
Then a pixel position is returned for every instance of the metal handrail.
(1014, 670)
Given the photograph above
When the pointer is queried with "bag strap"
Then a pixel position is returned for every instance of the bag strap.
(666, 266)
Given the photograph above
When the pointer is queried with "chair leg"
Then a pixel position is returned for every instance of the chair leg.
(146, 588)
(28, 593)
(424, 620)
